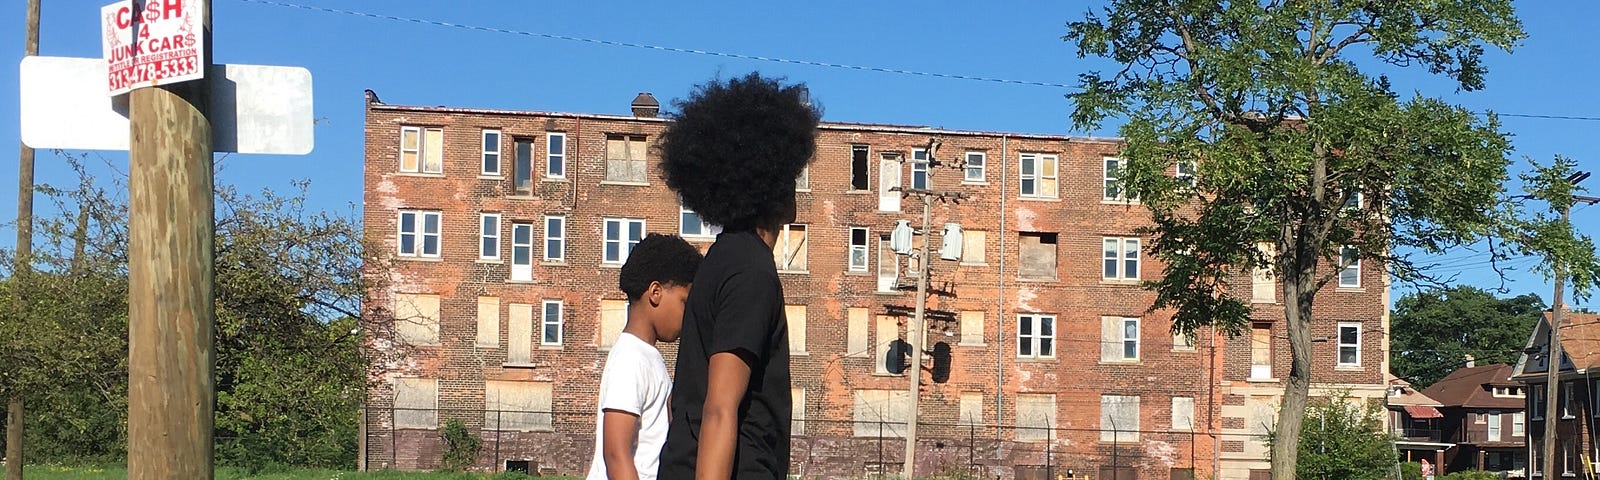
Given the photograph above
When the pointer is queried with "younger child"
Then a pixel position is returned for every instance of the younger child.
(631, 423)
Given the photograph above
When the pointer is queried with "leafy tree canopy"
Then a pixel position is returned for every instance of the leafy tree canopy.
(1434, 330)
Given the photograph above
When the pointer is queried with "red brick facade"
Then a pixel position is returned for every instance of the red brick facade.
(1214, 377)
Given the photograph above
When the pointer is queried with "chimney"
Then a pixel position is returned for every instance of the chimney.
(1470, 362)
(645, 105)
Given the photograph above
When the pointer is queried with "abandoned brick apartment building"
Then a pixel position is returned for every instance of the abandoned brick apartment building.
(507, 228)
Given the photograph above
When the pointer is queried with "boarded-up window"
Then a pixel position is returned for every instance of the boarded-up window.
(1182, 342)
(856, 343)
(888, 181)
(1119, 418)
(1119, 339)
(1261, 350)
(888, 330)
(972, 328)
(416, 319)
(625, 158)
(973, 244)
(797, 411)
(881, 413)
(421, 150)
(796, 315)
(613, 315)
(517, 406)
(416, 403)
(488, 321)
(1036, 417)
(1038, 256)
(1183, 413)
(971, 409)
(1263, 284)
(519, 335)
(888, 266)
(790, 250)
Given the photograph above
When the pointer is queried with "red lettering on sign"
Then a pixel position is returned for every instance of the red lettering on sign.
(171, 8)
(124, 17)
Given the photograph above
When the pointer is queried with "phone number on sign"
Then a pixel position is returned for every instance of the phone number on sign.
(146, 72)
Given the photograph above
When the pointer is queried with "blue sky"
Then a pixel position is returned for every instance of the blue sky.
(428, 64)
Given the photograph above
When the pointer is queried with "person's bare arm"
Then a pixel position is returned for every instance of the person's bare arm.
(727, 377)
(621, 432)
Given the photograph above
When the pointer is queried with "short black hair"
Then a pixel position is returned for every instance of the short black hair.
(667, 259)
(734, 148)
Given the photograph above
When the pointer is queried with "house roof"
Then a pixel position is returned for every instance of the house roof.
(1407, 396)
(1469, 387)
(1580, 338)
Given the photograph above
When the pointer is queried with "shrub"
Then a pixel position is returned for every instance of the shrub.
(461, 446)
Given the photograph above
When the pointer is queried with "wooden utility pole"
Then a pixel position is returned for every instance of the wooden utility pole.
(1552, 369)
(170, 311)
(23, 260)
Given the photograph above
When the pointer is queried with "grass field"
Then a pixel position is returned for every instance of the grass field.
(45, 472)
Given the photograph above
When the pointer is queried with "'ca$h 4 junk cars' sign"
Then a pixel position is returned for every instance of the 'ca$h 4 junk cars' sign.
(151, 43)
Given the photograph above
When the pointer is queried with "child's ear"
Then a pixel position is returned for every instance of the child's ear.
(655, 293)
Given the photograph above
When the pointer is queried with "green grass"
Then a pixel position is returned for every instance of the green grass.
(48, 472)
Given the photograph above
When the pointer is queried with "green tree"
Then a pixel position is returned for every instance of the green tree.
(1344, 440)
(1294, 145)
(1434, 330)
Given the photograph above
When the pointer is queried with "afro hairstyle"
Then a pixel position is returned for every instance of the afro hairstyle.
(734, 148)
(665, 259)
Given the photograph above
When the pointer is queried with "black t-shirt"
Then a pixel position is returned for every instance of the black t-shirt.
(735, 305)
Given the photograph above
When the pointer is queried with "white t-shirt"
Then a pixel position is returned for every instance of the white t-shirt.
(635, 380)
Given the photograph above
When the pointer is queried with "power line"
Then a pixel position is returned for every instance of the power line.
(763, 58)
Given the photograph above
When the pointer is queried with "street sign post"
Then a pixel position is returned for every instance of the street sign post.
(150, 43)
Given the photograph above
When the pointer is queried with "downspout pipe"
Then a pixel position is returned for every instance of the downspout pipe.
(1000, 298)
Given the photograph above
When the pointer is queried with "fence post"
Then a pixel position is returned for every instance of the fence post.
(394, 444)
(1049, 450)
(497, 421)
(880, 445)
(972, 447)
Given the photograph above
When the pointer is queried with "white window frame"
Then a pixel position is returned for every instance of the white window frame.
(802, 182)
(485, 235)
(919, 165)
(1493, 431)
(421, 150)
(888, 273)
(554, 156)
(1356, 347)
(525, 188)
(1354, 266)
(859, 250)
(1024, 175)
(420, 235)
(981, 167)
(706, 230)
(545, 322)
(1123, 339)
(1036, 339)
(492, 148)
(1121, 195)
(624, 245)
(1566, 401)
(560, 240)
(522, 272)
(1121, 250)
(1187, 178)
(1519, 424)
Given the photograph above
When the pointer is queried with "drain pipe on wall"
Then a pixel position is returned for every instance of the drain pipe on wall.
(1000, 303)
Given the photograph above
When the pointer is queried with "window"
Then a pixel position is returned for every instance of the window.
(970, 409)
(1494, 426)
(419, 234)
(555, 239)
(1038, 174)
(1036, 336)
(1183, 413)
(881, 413)
(1261, 351)
(1182, 342)
(1566, 401)
(1519, 424)
(555, 155)
(620, 236)
(887, 331)
(551, 325)
(522, 167)
(1186, 172)
(858, 249)
(690, 224)
(625, 158)
(421, 150)
(972, 328)
(1119, 418)
(519, 334)
(888, 266)
(1121, 258)
(973, 246)
(1566, 459)
(797, 411)
(1036, 417)
(1354, 202)
(1037, 255)
(975, 167)
(859, 162)
(796, 317)
(1538, 401)
(1119, 339)
(491, 152)
(517, 406)
(1350, 276)
(790, 250)
(1115, 192)
(1263, 284)
(489, 236)
(488, 322)
(889, 182)
(1349, 344)
(521, 252)
(919, 168)
(802, 183)
(856, 332)
(613, 316)
(416, 319)
(416, 403)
